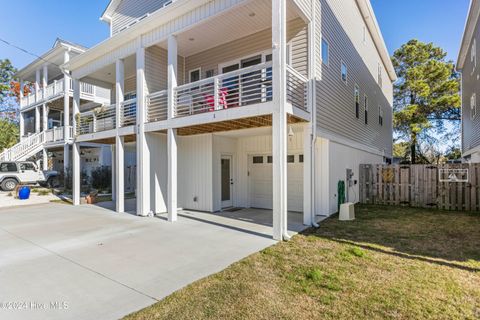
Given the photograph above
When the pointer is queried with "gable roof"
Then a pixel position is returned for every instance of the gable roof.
(58, 47)
(107, 14)
(470, 25)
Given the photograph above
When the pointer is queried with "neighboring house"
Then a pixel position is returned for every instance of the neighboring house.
(46, 132)
(470, 68)
(238, 103)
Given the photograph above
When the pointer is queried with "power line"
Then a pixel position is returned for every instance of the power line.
(26, 51)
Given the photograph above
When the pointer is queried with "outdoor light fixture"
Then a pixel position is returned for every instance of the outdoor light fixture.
(252, 14)
(290, 132)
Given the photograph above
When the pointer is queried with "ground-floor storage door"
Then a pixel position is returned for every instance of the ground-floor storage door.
(261, 179)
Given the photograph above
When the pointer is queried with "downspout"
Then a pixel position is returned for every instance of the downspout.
(312, 154)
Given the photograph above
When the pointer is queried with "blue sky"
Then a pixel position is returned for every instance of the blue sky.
(36, 24)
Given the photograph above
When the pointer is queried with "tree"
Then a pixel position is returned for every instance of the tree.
(426, 95)
(8, 134)
(9, 91)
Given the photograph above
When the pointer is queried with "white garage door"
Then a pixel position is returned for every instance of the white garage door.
(260, 177)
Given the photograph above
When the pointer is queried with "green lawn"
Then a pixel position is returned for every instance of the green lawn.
(390, 263)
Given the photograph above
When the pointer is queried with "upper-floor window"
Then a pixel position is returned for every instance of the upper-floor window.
(380, 78)
(195, 75)
(473, 106)
(473, 53)
(380, 115)
(364, 35)
(325, 53)
(344, 72)
(366, 109)
(357, 101)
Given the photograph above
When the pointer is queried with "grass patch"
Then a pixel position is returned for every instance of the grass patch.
(390, 263)
(44, 192)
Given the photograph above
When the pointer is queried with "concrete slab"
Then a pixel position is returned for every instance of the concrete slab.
(64, 262)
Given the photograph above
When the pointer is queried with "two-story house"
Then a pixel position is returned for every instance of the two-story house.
(467, 65)
(237, 103)
(46, 132)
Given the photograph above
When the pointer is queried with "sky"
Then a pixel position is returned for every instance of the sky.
(36, 24)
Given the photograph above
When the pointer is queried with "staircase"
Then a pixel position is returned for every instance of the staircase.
(33, 144)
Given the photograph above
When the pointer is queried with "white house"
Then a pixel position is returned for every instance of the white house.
(46, 133)
(238, 103)
(467, 65)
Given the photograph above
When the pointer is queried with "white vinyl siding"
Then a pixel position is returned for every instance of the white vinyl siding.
(129, 11)
(341, 24)
(254, 44)
(470, 92)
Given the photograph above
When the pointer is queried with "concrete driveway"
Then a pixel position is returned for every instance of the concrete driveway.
(64, 262)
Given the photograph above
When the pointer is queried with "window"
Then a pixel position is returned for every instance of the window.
(300, 158)
(270, 159)
(195, 75)
(366, 109)
(290, 159)
(130, 95)
(8, 167)
(473, 106)
(380, 80)
(325, 54)
(344, 72)
(258, 160)
(380, 115)
(357, 101)
(27, 166)
(473, 53)
(364, 35)
(209, 73)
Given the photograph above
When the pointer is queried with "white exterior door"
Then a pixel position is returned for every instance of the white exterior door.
(261, 179)
(227, 181)
(28, 173)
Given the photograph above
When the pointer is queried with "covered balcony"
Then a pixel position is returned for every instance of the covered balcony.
(224, 72)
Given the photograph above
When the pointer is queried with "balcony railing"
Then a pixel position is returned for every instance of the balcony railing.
(100, 119)
(157, 106)
(239, 88)
(296, 89)
(128, 111)
(54, 89)
(244, 87)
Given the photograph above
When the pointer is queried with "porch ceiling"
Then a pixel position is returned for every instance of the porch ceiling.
(111, 141)
(231, 125)
(107, 74)
(252, 17)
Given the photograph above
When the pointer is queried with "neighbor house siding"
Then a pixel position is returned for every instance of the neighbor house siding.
(470, 85)
(341, 25)
(250, 45)
(130, 10)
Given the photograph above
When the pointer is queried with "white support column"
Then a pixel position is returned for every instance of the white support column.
(22, 125)
(45, 79)
(172, 133)
(119, 89)
(76, 175)
(45, 117)
(143, 152)
(37, 119)
(119, 174)
(113, 173)
(76, 147)
(45, 159)
(279, 120)
(119, 141)
(66, 99)
(307, 175)
(37, 85)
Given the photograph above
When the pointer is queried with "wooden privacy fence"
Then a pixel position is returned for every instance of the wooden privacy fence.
(447, 187)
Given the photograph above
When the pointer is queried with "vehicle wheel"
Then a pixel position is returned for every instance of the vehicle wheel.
(9, 184)
(53, 182)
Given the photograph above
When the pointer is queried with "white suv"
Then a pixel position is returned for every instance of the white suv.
(24, 172)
